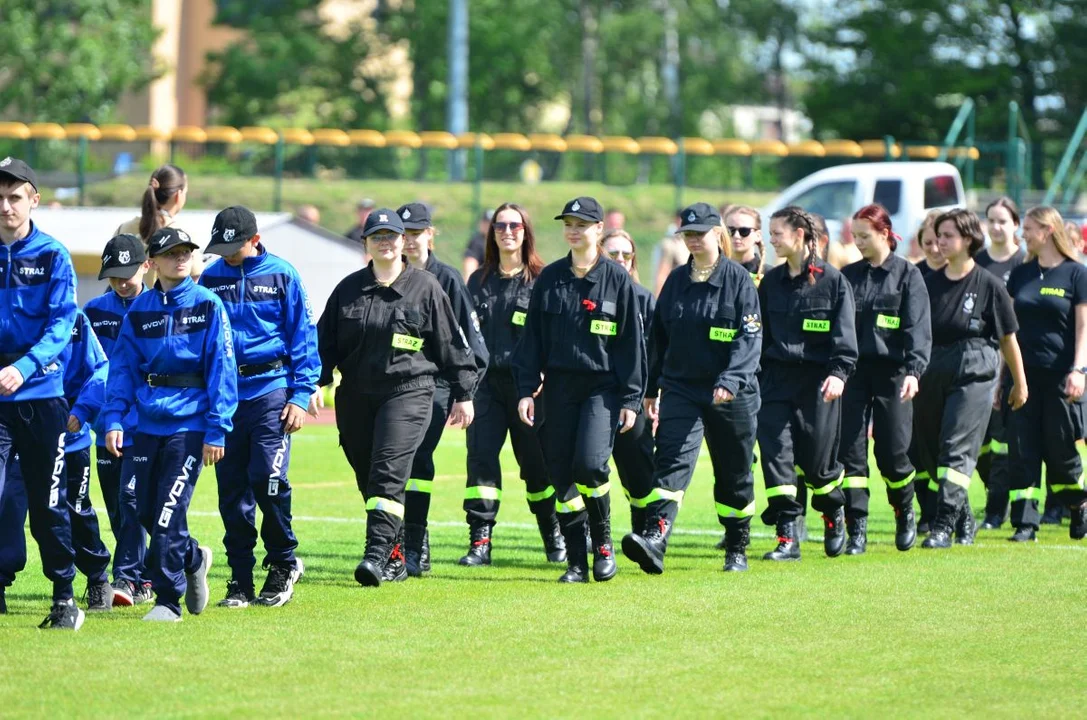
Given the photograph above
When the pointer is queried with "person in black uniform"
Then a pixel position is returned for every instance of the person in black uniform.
(809, 349)
(583, 336)
(1049, 292)
(1001, 257)
(419, 232)
(971, 316)
(744, 227)
(704, 356)
(390, 330)
(894, 339)
(633, 452)
(501, 289)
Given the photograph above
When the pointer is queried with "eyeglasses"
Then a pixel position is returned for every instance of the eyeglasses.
(743, 231)
(383, 237)
(511, 226)
(183, 254)
(616, 254)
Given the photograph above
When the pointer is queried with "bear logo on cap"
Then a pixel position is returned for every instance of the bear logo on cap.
(228, 234)
(185, 236)
(576, 206)
(123, 257)
(407, 214)
(5, 162)
(691, 217)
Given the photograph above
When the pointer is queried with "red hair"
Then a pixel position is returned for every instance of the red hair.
(876, 215)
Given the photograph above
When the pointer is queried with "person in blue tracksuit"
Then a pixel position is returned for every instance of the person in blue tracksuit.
(175, 362)
(85, 369)
(275, 343)
(37, 313)
(124, 264)
(419, 232)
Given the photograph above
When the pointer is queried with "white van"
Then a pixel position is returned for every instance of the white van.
(907, 189)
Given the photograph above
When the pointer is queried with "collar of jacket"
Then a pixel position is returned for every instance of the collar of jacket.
(125, 302)
(803, 276)
(31, 236)
(254, 263)
(716, 278)
(179, 294)
(370, 283)
(595, 272)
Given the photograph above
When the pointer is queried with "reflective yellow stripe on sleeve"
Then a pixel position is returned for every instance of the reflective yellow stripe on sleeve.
(421, 486)
(575, 505)
(542, 495)
(898, 485)
(482, 492)
(856, 482)
(780, 490)
(954, 476)
(675, 496)
(594, 492)
(1031, 493)
(385, 505)
(725, 511)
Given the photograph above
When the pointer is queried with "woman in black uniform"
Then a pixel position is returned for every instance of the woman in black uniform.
(971, 316)
(583, 337)
(1049, 292)
(894, 339)
(501, 289)
(705, 346)
(809, 349)
(633, 452)
(390, 330)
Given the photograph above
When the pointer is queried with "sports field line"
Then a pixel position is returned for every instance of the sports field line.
(812, 537)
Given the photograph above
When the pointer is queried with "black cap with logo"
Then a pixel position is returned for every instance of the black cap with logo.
(382, 219)
(583, 208)
(18, 170)
(233, 227)
(415, 216)
(122, 257)
(700, 217)
(166, 239)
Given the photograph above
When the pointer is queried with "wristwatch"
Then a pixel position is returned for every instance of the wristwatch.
(1081, 370)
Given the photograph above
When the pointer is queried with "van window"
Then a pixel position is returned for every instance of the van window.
(888, 193)
(941, 191)
(833, 200)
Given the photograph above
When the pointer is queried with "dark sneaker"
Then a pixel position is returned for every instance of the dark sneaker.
(99, 597)
(65, 615)
(197, 592)
(144, 594)
(278, 586)
(124, 593)
(1024, 534)
(237, 595)
(992, 522)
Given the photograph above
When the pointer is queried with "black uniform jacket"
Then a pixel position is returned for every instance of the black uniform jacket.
(463, 309)
(502, 308)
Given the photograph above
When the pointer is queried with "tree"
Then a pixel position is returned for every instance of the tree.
(72, 60)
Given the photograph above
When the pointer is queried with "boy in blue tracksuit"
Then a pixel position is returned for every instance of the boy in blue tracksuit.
(37, 313)
(85, 369)
(124, 264)
(275, 341)
(174, 360)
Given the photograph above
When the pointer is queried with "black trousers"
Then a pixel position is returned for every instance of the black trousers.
(872, 395)
(1045, 430)
(109, 478)
(633, 456)
(687, 414)
(421, 482)
(950, 414)
(993, 466)
(798, 435)
(379, 434)
(496, 415)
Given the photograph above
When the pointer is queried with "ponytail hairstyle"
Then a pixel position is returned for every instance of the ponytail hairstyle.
(876, 215)
(799, 219)
(165, 182)
(1050, 219)
(821, 231)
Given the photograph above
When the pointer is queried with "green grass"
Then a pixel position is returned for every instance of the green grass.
(994, 630)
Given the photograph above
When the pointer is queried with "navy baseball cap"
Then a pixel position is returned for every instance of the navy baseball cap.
(166, 239)
(122, 257)
(583, 208)
(415, 216)
(382, 219)
(19, 171)
(699, 217)
(233, 227)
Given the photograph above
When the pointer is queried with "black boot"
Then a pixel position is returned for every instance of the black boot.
(648, 548)
(1024, 534)
(424, 556)
(940, 536)
(722, 544)
(905, 528)
(857, 529)
(834, 533)
(577, 557)
(479, 552)
(1077, 527)
(992, 522)
(604, 567)
(637, 519)
(1054, 511)
(369, 571)
(788, 545)
(415, 547)
(396, 569)
(966, 527)
(554, 544)
(736, 541)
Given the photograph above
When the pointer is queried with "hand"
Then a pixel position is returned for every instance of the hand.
(626, 420)
(832, 388)
(212, 454)
(1018, 396)
(1073, 386)
(75, 426)
(462, 414)
(652, 408)
(721, 396)
(292, 418)
(316, 403)
(909, 389)
(526, 410)
(996, 398)
(115, 440)
(538, 391)
(10, 380)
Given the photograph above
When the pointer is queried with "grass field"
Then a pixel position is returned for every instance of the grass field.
(992, 630)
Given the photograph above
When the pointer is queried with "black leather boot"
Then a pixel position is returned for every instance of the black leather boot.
(966, 527)
(396, 569)
(834, 533)
(415, 546)
(736, 541)
(554, 544)
(788, 545)
(857, 530)
(368, 572)
(577, 556)
(648, 548)
(905, 528)
(604, 567)
(479, 551)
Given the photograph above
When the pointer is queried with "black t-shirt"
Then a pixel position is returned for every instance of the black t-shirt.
(976, 306)
(925, 268)
(1045, 304)
(1001, 269)
(476, 247)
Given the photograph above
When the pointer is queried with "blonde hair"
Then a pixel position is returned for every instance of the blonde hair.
(757, 217)
(620, 233)
(1051, 219)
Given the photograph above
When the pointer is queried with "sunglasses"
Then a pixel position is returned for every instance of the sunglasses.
(383, 237)
(511, 226)
(616, 254)
(743, 231)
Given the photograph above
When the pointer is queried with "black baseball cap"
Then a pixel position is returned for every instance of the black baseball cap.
(584, 208)
(233, 227)
(166, 239)
(415, 216)
(19, 170)
(382, 219)
(699, 217)
(122, 257)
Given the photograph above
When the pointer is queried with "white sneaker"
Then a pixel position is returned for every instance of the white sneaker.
(161, 613)
(197, 592)
(299, 570)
